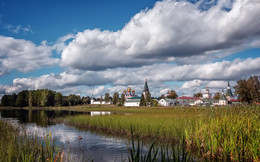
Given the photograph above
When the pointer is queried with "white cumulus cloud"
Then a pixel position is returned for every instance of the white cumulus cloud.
(23, 55)
(213, 75)
(170, 31)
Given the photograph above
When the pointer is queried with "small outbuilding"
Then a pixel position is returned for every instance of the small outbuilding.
(166, 102)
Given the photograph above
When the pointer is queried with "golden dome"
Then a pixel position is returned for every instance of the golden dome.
(129, 89)
(124, 90)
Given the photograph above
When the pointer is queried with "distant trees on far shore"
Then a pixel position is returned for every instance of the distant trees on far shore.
(41, 98)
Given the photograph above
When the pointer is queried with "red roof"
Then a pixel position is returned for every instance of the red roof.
(188, 98)
(233, 100)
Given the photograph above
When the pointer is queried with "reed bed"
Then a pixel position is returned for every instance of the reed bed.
(21, 147)
(231, 133)
(155, 152)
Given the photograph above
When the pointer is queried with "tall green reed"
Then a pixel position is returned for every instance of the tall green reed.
(157, 152)
(211, 132)
(19, 146)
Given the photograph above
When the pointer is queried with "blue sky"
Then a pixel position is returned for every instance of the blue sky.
(50, 20)
(94, 47)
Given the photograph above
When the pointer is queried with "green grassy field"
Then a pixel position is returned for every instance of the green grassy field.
(211, 132)
(17, 146)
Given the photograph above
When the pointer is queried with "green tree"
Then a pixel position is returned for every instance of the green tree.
(122, 99)
(30, 99)
(142, 100)
(197, 94)
(74, 100)
(22, 99)
(172, 94)
(50, 98)
(78, 100)
(44, 97)
(115, 98)
(148, 100)
(248, 90)
(65, 101)
(107, 98)
(12, 101)
(37, 95)
(254, 84)
(155, 103)
(71, 99)
(86, 100)
(58, 99)
(5, 100)
(217, 96)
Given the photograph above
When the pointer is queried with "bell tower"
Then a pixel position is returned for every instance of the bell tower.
(229, 93)
(146, 89)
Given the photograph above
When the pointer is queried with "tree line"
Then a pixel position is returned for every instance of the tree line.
(41, 98)
(247, 90)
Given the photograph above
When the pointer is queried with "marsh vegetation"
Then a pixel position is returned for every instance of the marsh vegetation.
(227, 133)
(155, 134)
(16, 145)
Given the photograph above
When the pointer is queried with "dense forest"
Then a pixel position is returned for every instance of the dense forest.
(41, 98)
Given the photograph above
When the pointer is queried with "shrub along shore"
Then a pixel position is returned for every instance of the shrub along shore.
(228, 133)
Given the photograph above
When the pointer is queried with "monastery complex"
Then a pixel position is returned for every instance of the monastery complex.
(133, 100)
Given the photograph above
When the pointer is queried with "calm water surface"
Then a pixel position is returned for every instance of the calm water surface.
(93, 146)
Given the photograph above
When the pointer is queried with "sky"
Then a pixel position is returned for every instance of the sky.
(96, 47)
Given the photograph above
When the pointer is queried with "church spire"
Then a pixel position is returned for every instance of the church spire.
(228, 87)
(146, 89)
(229, 93)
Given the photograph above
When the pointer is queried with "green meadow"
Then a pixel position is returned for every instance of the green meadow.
(227, 133)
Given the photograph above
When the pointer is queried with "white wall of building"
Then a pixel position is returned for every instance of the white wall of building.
(132, 104)
(94, 113)
(162, 102)
(196, 102)
(222, 102)
(93, 102)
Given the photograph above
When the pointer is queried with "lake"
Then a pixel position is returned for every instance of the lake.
(92, 146)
